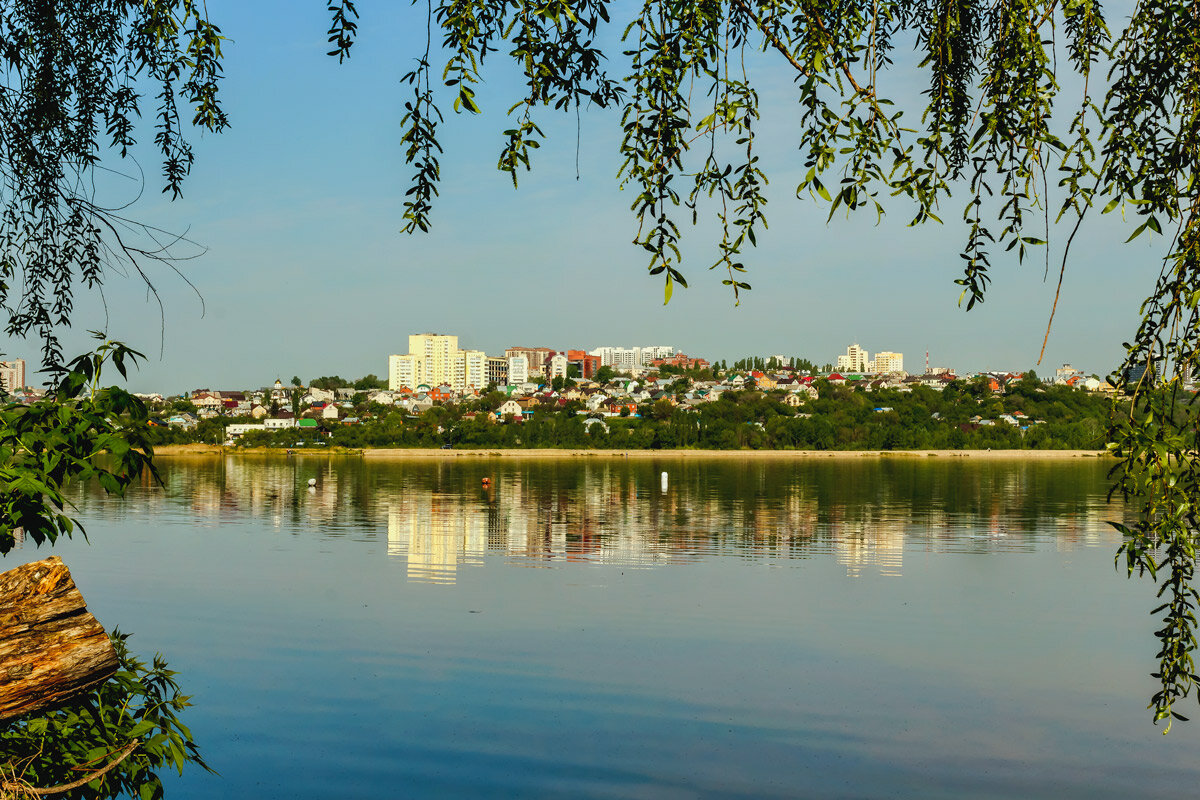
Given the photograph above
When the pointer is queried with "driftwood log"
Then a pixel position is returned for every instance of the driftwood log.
(51, 648)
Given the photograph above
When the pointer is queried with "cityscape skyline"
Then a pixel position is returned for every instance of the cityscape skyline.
(465, 367)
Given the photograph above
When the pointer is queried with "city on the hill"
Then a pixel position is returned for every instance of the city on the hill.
(439, 395)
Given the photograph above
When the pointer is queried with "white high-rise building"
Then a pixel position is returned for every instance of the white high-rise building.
(855, 360)
(654, 352)
(625, 359)
(518, 369)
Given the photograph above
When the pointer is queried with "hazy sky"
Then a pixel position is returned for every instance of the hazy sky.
(299, 205)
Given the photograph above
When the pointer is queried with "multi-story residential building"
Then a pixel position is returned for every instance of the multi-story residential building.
(886, 361)
(435, 359)
(12, 375)
(470, 370)
(518, 369)
(558, 366)
(654, 352)
(855, 360)
(429, 361)
(625, 359)
(619, 358)
(535, 358)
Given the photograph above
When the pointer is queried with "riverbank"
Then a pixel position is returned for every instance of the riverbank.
(393, 453)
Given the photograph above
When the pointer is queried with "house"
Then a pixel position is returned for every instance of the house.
(316, 395)
(330, 411)
(207, 401)
(239, 429)
(417, 405)
(384, 397)
(588, 424)
(509, 406)
(185, 421)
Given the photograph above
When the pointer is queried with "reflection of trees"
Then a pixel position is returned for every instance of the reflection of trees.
(439, 515)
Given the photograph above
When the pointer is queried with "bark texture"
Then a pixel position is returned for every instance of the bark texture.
(51, 648)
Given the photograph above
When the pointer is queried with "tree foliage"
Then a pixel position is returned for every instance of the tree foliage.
(56, 440)
(131, 721)
(83, 431)
(76, 75)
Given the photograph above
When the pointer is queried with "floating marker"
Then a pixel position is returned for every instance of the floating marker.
(664, 482)
(312, 482)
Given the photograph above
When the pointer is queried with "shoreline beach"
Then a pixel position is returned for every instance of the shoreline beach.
(398, 453)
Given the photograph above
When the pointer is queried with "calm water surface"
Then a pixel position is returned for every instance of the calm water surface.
(867, 628)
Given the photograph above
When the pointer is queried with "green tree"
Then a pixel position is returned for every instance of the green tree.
(370, 381)
(134, 715)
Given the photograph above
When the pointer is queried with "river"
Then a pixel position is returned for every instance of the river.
(651, 628)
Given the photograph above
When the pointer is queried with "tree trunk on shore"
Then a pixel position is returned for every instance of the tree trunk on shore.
(51, 648)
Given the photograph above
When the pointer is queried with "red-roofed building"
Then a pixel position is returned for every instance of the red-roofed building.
(681, 360)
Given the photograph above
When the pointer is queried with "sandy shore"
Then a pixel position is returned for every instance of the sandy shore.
(786, 455)
(188, 450)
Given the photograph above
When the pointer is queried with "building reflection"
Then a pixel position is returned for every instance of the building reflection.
(442, 517)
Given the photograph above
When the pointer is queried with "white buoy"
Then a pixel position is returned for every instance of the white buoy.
(664, 482)
(312, 481)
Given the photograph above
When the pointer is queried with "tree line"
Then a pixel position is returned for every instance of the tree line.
(964, 415)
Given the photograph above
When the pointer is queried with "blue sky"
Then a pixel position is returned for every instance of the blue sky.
(306, 272)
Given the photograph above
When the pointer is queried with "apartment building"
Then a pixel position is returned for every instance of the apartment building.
(12, 375)
(855, 360)
(535, 358)
(625, 359)
(518, 369)
(886, 361)
(435, 359)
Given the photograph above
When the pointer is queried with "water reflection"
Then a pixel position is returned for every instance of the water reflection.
(441, 517)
